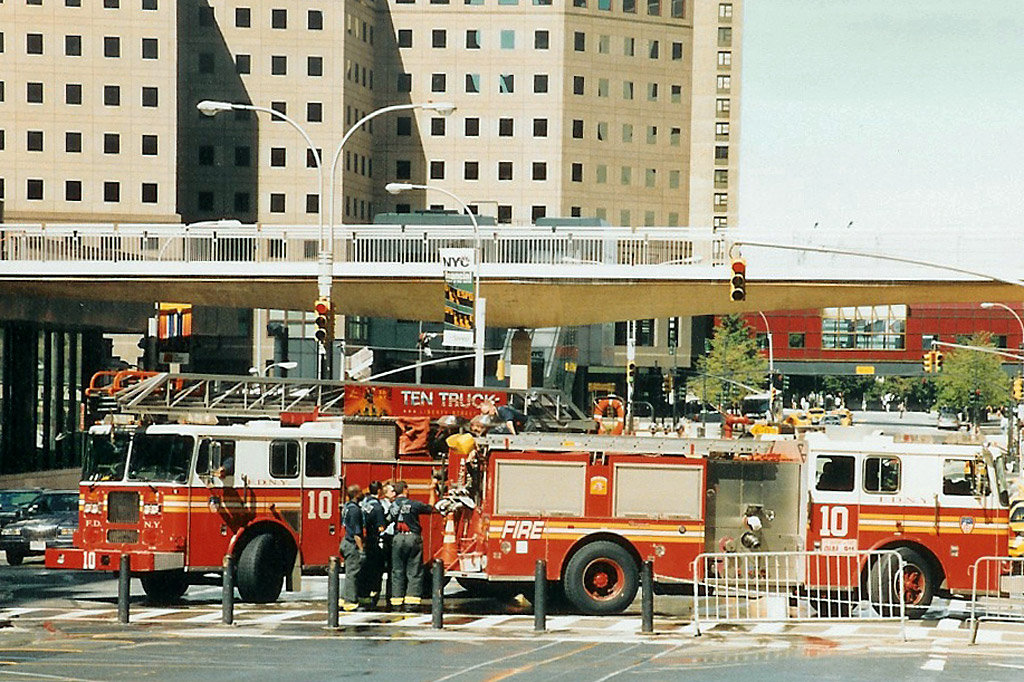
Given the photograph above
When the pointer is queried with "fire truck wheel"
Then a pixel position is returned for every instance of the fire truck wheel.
(602, 577)
(164, 587)
(916, 589)
(15, 557)
(260, 576)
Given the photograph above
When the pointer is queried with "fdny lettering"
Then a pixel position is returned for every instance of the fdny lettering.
(522, 529)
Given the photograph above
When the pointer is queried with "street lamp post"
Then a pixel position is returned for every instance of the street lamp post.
(771, 367)
(1013, 443)
(479, 305)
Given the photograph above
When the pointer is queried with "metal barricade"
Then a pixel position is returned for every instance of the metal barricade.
(997, 591)
(798, 586)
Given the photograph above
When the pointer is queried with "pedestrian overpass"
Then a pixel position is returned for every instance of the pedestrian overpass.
(531, 276)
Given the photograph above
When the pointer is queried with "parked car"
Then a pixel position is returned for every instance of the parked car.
(816, 413)
(831, 420)
(50, 520)
(948, 419)
(797, 419)
(845, 416)
(13, 503)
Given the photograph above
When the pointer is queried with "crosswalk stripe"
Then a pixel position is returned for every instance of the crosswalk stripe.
(283, 616)
(768, 628)
(558, 622)
(14, 613)
(82, 614)
(152, 613)
(626, 624)
(211, 617)
(841, 629)
(488, 621)
(413, 622)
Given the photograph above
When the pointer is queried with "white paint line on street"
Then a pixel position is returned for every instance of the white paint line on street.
(767, 628)
(841, 630)
(556, 622)
(624, 625)
(150, 613)
(415, 621)
(948, 624)
(989, 637)
(281, 617)
(938, 664)
(1007, 665)
(488, 621)
(211, 617)
(14, 613)
(83, 613)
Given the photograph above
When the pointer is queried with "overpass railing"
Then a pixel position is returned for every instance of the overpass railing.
(367, 244)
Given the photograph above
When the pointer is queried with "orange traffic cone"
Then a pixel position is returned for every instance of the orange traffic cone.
(449, 547)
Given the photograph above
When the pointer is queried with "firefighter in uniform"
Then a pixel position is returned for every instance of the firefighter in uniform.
(374, 522)
(407, 548)
(352, 547)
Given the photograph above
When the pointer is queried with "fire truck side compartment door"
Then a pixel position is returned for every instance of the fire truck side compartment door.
(321, 497)
(768, 490)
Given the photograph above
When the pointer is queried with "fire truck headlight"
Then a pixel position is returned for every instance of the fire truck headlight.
(750, 541)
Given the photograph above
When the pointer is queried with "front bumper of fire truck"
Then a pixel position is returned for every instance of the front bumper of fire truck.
(110, 560)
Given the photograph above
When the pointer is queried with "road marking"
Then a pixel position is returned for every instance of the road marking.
(14, 613)
(948, 624)
(286, 615)
(557, 622)
(81, 614)
(626, 624)
(488, 621)
(768, 628)
(492, 662)
(414, 621)
(841, 630)
(938, 664)
(211, 617)
(152, 613)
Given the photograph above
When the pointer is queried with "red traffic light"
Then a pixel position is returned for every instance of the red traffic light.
(738, 281)
(322, 306)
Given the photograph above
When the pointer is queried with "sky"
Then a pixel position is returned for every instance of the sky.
(888, 113)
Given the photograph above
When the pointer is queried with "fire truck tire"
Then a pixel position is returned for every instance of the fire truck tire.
(15, 557)
(602, 577)
(260, 575)
(164, 587)
(917, 588)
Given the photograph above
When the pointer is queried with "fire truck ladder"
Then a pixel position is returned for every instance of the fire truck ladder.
(692, 447)
(232, 397)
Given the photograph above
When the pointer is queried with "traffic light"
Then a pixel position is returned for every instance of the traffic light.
(738, 280)
(630, 372)
(323, 323)
(928, 361)
(937, 360)
(666, 385)
(1018, 388)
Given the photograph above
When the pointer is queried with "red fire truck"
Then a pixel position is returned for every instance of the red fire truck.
(184, 495)
(594, 506)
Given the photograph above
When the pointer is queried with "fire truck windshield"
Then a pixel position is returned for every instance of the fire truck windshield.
(105, 455)
(160, 457)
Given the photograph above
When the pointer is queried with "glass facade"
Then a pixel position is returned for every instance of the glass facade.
(880, 327)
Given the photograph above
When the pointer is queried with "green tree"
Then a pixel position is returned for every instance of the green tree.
(972, 379)
(732, 357)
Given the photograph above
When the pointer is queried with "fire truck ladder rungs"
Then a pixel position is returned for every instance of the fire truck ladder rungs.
(230, 396)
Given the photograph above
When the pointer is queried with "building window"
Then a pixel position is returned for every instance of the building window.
(673, 179)
(506, 127)
(277, 202)
(403, 169)
(627, 90)
(626, 176)
(540, 83)
(537, 212)
(678, 9)
(278, 65)
(724, 84)
(504, 214)
(111, 46)
(315, 20)
(677, 51)
(472, 83)
(471, 170)
(243, 17)
(654, 8)
(652, 49)
(314, 112)
(504, 170)
(576, 172)
(540, 170)
(580, 41)
(112, 95)
(314, 66)
(34, 93)
(312, 203)
(578, 84)
(279, 18)
(721, 153)
(627, 132)
(73, 93)
(629, 6)
(72, 190)
(472, 39)
(439, 38)
(278, 157)
(279, 107)
(472, 127)
(864, 327)
(111, 143)
(311, 157)
(438, 82)
(34, 140)
(506, 83)
(112, 192)
(722, 107)
(243, 64)
(34, 43)
(725, 59)
(73, 143)
(652, 92)
(721, 131)
(437, 170)
(677, 94)
(644, 333)
(150, 48)
(650, 178)
(149, 145)
(577, 129)
(34, 189)
(437, 126)
(602, 87)
(149, 192)
(405, 37)
(403, 126)
(73, 46)
(541, 40)
(601, 174)
(149, 96)
(540, 127)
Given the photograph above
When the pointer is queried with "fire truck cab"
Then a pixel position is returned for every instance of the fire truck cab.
(940, 506)
(595, 506)
(267, 494)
